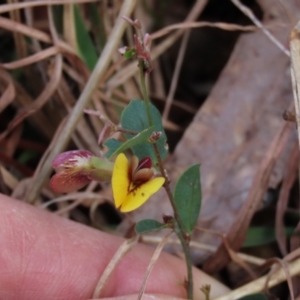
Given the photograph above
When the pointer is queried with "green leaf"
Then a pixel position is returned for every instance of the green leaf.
(257, 236)
(134, 117)
(258, 296)
(116, 147)
(130, 53)
(27, 155)
(113, 145)
(97, 27)
(149, 225)
(187, 197)
(86, 48)
(57, 11)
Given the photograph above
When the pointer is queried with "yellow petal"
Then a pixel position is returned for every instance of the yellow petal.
(141, 194)
(120, 180)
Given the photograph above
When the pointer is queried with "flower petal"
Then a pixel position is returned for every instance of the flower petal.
(76, 158)
(141, 194)
(120, 179)
(142, 175)
(66, 182)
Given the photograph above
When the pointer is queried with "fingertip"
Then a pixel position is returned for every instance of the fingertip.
(43, 256)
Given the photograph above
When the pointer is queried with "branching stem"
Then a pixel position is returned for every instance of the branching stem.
(180, 229)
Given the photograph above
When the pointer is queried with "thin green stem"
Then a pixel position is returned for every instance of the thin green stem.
(178, 229)
(186, 251)
(167, 186)
(144, 91)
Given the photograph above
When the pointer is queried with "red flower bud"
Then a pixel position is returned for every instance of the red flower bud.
(75, 169)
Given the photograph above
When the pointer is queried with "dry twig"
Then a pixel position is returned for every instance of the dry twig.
(123, 249)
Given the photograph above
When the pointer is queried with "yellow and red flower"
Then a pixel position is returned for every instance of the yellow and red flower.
(133, 182)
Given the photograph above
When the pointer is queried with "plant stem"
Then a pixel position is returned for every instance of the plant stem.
(178, 229)
(144, 91)
(186, 251)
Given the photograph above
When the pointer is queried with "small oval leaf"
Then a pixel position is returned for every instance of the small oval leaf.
(258, 296)
(116, 147)
(134, 117)
(263, 235)
(149, 225)
(85, 46)
(187, 197)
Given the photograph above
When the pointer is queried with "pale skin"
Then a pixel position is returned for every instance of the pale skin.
(43, 256)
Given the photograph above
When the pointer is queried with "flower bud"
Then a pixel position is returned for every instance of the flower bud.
(75, 169)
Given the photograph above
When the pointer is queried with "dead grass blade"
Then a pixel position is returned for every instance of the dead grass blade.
(18, 38)
(233, 255)
(23, 100)
(8, 178)
(4, 8)
(123, 249)
(79, 195)
(258, 285)
(42, 98)
(41, 55)
(92, 211)
(154, 259)
(40, 174)
(68, 208)
(189, 25)
(288, 181)
(295, 247)
(33, 33)
(3, 186)
(238, 230)
(176, 74)
(204, 247)
(284, 267)
(14, 26)
(19, 41)
(55, 78)
(99, 70)
(295, 74)
(9, 94)
(83, 130)
(248, 12)
(11, 143)
(295, 71)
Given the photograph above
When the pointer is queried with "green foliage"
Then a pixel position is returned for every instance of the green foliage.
(257, 236)
(58, 17)
(97, 27)
(27, 155)
(130, 53)
(187, 197)
(115, 147)
(134, 117)
(85, 46)
(149, 225)
(258, 296)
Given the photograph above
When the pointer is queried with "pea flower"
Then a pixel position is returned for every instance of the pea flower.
(133, 182)
(75, 169)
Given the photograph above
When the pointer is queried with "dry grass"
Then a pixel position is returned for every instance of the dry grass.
(46, 84)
